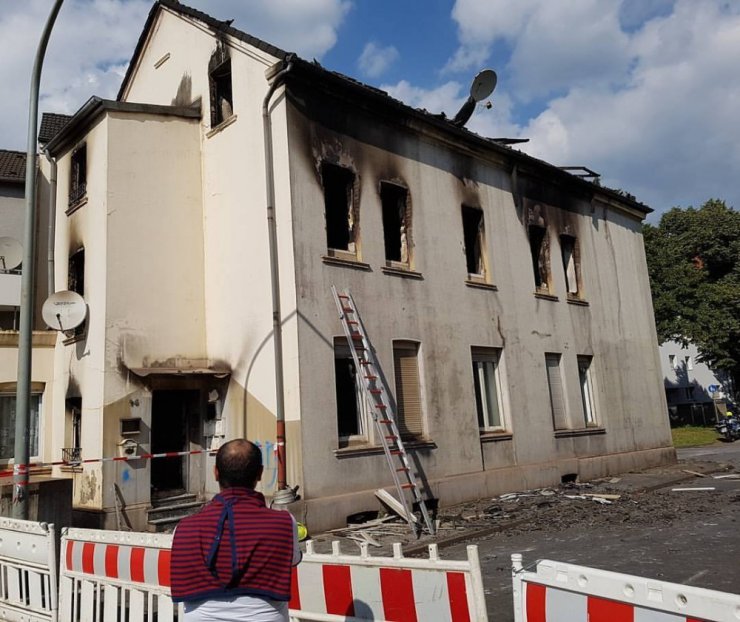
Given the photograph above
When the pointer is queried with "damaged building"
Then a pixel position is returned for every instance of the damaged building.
(507, 300)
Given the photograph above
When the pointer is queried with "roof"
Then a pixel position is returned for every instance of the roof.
(365, 94)
(51, 124)
(12, 166)
(94, 107)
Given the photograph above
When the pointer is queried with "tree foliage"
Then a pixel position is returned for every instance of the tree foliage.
(693, 259)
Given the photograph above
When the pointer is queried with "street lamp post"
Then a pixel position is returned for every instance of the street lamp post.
(23, 387)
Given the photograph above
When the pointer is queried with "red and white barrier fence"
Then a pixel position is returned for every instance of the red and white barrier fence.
(334, 586)
(28, 576)
(104, 573)
(558, 592)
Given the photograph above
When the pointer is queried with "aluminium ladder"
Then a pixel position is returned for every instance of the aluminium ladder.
(376, 391)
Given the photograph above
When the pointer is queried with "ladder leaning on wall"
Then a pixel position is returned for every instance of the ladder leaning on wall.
(377, 394)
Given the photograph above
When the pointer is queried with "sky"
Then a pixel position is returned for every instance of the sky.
(644, 92)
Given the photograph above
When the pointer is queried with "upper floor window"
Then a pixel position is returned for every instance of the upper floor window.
(78, 175)
(76, 281)
(539, 247)
(396, 223)
(219, 82)
(571, 265)
(340, 210)
(475, 243)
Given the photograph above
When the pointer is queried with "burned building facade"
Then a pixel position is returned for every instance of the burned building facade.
(507, 300)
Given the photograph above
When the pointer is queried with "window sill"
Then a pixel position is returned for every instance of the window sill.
(407, 273)
(73, 207)
(546, 296)
(579, 302)
(492, 437)
(475, 284)
(377, 450)
(591, 431)
(346, 263)
(221, 126)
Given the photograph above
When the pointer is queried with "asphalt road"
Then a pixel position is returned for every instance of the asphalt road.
(694, 539)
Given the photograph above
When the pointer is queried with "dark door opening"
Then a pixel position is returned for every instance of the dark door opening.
(171, 414)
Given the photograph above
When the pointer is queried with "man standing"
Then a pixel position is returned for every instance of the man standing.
(233, 559)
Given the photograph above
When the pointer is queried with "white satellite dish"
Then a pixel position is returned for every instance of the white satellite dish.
(64, 311)
(11, 253)
(482, 86)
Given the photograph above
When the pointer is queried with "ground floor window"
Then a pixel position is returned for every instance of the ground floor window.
(555, 385)
(486, 378)
(349, 395)
(7, 426)
(587, 393)
(408, 389)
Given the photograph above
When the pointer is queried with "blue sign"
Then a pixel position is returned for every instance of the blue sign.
(713, 388)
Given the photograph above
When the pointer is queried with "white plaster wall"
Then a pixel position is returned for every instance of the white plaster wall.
(237, 272)
(12, 208)
(448, 317)
(80, 367)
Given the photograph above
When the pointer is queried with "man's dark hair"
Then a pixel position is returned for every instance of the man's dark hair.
(239, 463)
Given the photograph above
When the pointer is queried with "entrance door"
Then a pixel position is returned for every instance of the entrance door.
(172, 413)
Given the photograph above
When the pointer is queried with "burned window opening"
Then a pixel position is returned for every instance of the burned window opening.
(473, 235)
(348, 391)
(396, 222)
(538, 248)
(339, 207)
(78, 175)
(219, 81)
(571, 264)
(76, 280)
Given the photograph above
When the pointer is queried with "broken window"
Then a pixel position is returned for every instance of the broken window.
(408, 389)
(76, 279)
(73, 432)
(587, 394)
(487, 388)
(78, 175)
(555, 385)
(219, 82)
(571, 264)
(539, 249)
(350, 402)
(474, 240)
(341, 225)
(396, 222)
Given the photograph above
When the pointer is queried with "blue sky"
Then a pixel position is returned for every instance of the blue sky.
(646, 92)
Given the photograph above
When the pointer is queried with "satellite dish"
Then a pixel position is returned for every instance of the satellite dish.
(482, 86)
(64, 311)
(11, 253)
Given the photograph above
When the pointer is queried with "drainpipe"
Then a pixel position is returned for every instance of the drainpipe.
(277, 329)
(28, 284)
(52, 223)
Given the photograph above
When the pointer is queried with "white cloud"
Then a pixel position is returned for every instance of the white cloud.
(93, 40)
(375, 60)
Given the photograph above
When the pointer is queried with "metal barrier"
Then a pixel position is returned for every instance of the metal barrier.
(108, 576)
(336, 587)
(555, 592)
(28, 586)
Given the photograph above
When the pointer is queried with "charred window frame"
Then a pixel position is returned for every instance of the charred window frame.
(396, 205)
(220, 86)
(571, 265)
(78, 175)
(539, 248)
(340, 210)
(474, 238)
(351, 412)
(76, 281)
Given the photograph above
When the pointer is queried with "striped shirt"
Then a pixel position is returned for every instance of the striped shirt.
(256, 562)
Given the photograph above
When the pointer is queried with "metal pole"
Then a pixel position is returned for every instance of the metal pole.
(23, 388)
(277, 325)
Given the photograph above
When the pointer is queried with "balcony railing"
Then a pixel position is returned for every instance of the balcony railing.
(77, 193)
(72, 456)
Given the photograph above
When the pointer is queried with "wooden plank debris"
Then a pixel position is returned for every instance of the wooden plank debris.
(696, 473)
(394, 504)
(693, 489)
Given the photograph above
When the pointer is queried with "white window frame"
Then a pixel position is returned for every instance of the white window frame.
(486, 364)
(39, 449)
(340, 348)
(585, 381)
(556, 389)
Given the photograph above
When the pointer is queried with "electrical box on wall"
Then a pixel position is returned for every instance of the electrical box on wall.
(131, 426)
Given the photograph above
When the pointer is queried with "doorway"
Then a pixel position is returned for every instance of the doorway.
(175, 414)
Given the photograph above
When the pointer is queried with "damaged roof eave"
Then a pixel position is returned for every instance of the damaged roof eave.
(143, 372)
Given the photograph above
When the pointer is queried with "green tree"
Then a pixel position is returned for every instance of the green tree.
(693, 258)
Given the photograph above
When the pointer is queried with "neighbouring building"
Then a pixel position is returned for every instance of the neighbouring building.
(694, 392)
(508, 300)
